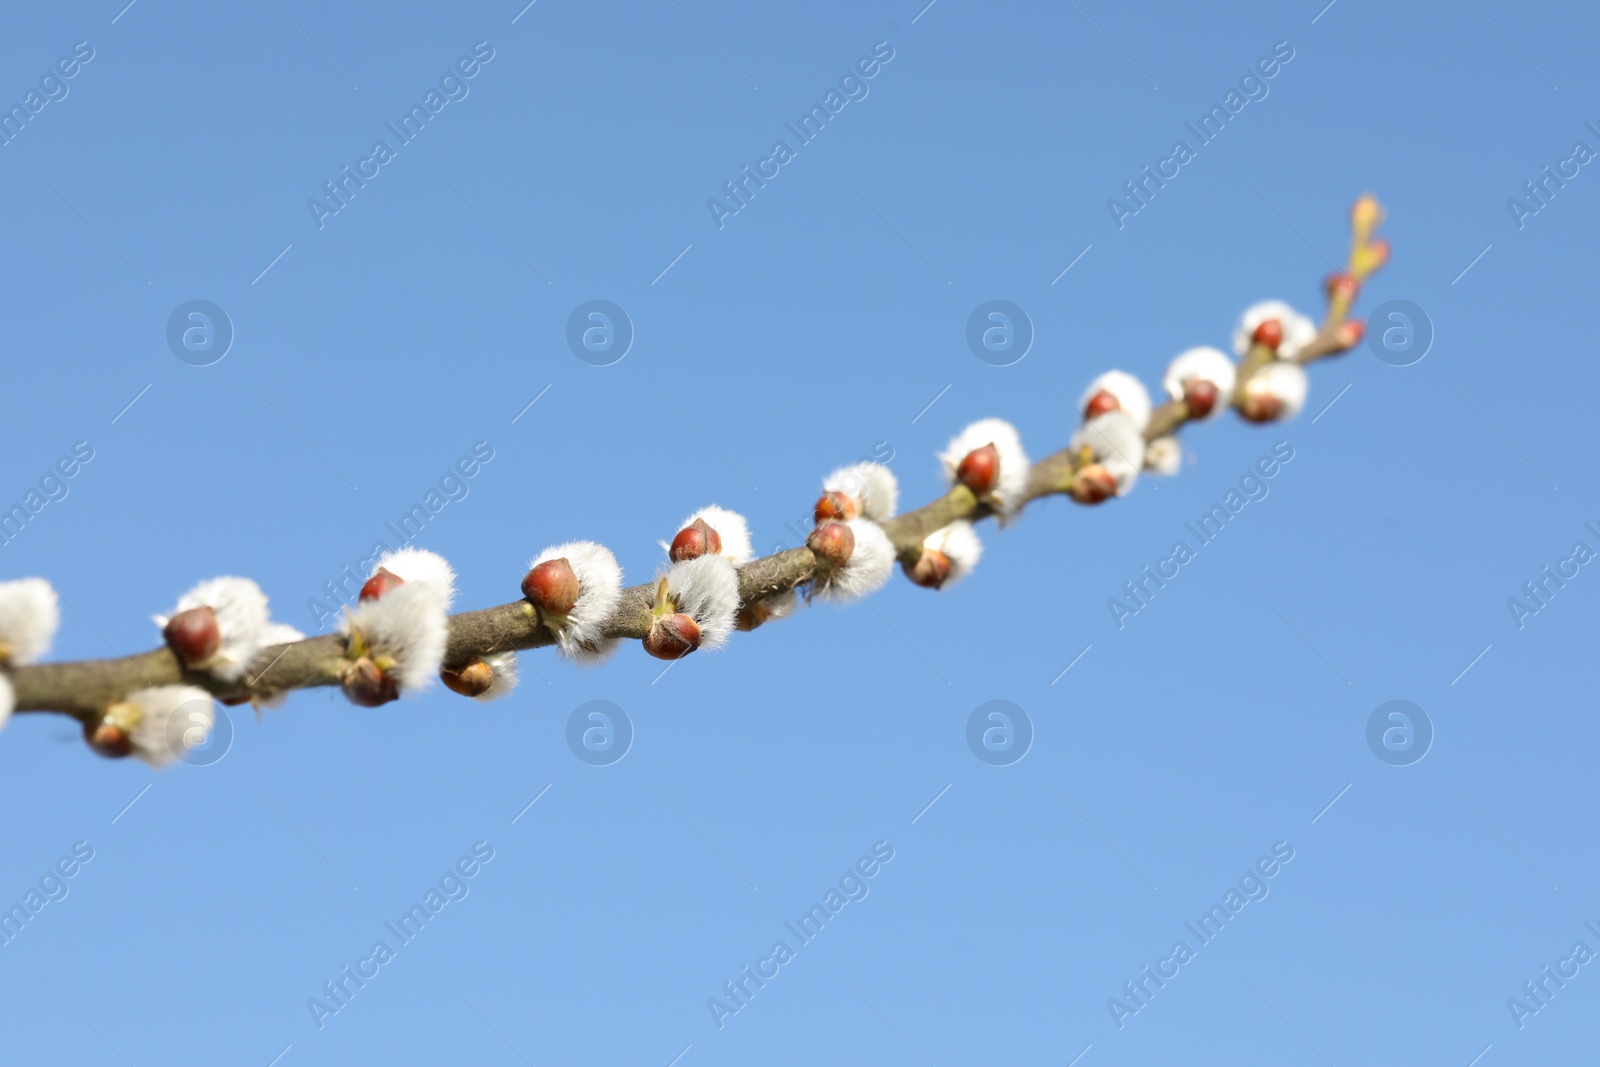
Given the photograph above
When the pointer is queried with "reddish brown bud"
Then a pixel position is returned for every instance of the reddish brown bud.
(380, 584)
(1101, 403)
(552, 586)
(368, 686)
(672, 636)
(472, 680)
(1093, 484)
(233, 702)
(1341, 287)
(980, 469)
(697, 539)
(1269, 333)
(1200, 397)
(108, 739)
(1350, 332)
(931, 570)
(1260, 406)
(193, 635)
(835, 505)
(833, 543)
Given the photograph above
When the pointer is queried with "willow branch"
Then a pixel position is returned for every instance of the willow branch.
(81, 689)
(85, 688)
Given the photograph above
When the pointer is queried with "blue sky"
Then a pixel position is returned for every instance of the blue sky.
(822, 323)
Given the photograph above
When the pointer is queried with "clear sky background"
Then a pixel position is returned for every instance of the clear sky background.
(815, 326)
